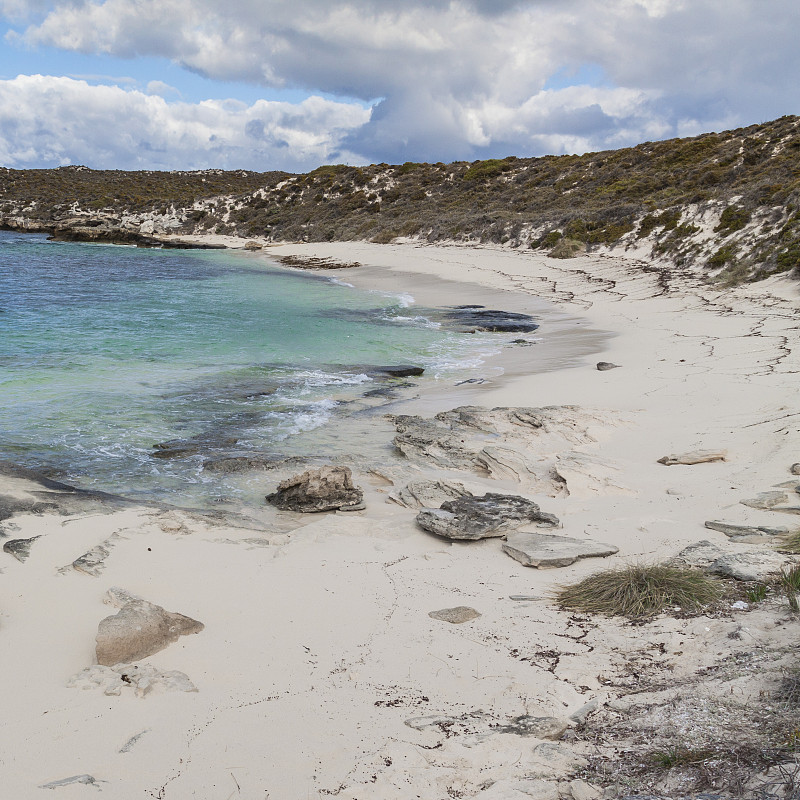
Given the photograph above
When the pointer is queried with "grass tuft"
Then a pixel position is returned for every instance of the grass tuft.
(790, 543)
(680, 757)
(790, 580)
(789, 690)
(640, 591)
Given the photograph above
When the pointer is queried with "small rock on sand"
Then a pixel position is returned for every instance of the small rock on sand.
(795, 468)
(602, 366)
(545, 550)
(693, 457)
(87, 780)
(138, 630)
(455, 615)
(19, 548)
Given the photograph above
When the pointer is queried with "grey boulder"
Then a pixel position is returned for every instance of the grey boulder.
(471, 518)
(139, 630)
(545, 550)
(325, 489)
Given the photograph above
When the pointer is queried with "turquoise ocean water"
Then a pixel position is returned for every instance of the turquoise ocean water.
(106, 351)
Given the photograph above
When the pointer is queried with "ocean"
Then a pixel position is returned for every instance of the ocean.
(126, 370)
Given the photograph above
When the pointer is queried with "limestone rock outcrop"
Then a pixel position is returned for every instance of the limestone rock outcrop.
(325, 489)
(483, 517)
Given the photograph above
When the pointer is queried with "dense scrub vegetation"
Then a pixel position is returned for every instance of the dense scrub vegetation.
(727, 201)
(56, 191)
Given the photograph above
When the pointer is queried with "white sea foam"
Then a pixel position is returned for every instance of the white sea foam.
(418, 321)
(313, 379)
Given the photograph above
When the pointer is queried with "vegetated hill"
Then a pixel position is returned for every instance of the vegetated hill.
(727, 202)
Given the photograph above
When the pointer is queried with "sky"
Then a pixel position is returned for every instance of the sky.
(272, 84)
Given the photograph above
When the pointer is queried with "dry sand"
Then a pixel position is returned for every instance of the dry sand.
(318, 648)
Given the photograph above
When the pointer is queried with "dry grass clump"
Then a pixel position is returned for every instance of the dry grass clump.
(640, 591)
(789, 689)
(790, 543)
(790, 580)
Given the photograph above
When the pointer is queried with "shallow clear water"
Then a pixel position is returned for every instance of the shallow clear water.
(106, 351)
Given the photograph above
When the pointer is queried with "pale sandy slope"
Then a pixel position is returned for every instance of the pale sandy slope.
(318, 645)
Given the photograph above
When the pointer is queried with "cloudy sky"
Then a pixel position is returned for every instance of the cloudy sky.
(272, 84)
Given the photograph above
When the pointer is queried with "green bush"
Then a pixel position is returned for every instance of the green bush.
(732, 219)
(723, 256)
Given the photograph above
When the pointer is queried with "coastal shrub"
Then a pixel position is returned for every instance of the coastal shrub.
(491, 168)
(647, 225)
(725, 254)
(733, 218)
(788, 259)
(789, 688)
(567, 248)
(680, 757)
(384, 237)
(757, 594)
(640, 591)
(790, 581)
(549, 240)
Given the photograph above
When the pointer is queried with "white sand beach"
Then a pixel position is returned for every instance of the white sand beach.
(319, 671)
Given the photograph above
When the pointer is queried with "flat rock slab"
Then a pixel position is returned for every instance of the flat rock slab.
(325, 489)
(138, 678)
(455, 615)
(746, 533)
(537, 727)
(693, 457)
(86, 780)
(766, 500)
(545, 550)
(754, 564)
(471, 518)
(139, 630)
(429, 493)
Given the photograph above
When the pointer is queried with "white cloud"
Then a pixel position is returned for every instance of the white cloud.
(54, 121)
(466, 78)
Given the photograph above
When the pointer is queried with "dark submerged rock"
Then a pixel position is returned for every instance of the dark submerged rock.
(479, 318)
(398, 371)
